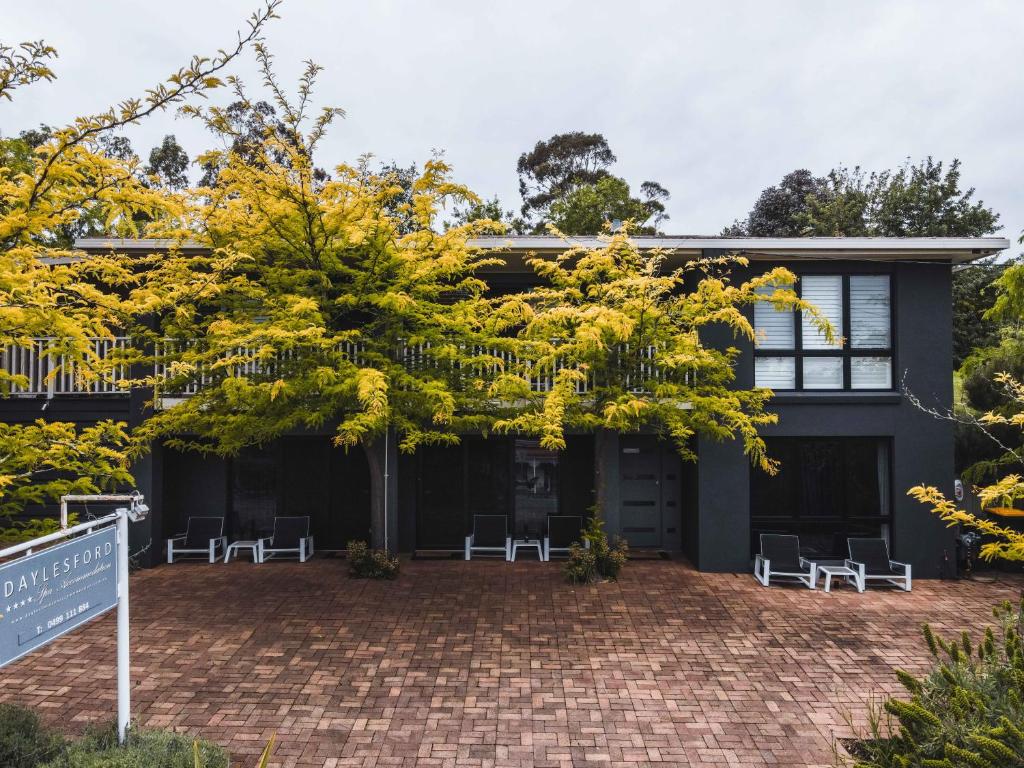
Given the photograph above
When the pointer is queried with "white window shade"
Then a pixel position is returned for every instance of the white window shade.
(870, 373)
(870, 313)
(774, 329)
(823, 373)
(775, 372)
(825, 292)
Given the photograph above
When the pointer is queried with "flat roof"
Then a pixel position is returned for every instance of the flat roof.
(954, 249)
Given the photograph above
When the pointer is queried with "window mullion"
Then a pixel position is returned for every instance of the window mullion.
(798, 343)
(847, 324)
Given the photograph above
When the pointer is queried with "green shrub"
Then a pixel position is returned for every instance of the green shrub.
(601, 560)
(968, 711)
(145, 749)
(366, 563)
(24, 741)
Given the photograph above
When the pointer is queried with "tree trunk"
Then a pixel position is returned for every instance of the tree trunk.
(375, 452)
(601, 472)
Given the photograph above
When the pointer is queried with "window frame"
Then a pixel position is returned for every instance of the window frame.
(846, 352)
(801, 524)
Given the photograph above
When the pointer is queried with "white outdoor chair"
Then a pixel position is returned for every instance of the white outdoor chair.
(202, 536)
(780, 557)
(290, 539)
(870, 559)
(563, 532)
(490, 535)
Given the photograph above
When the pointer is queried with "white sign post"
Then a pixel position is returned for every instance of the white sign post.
(48, 593)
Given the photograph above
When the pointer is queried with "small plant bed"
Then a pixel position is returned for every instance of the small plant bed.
(968, 711)
(596, 559)
(25, 742)
(366, 563)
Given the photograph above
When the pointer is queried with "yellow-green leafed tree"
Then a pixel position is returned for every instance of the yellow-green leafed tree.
(50, 291)
(618, 331)
(1003, 425)
(315, 301)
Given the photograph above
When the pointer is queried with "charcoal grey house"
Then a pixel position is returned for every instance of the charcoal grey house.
(850, 439)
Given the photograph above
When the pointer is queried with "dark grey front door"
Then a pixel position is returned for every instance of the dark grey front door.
(649, 472)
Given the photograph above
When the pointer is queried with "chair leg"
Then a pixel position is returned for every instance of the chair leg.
(170, 551)
(508, 548)
(469, 547)
(213, 550)
(302, 550)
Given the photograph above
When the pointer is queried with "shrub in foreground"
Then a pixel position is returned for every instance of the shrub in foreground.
(600, 560)
(366, 563)
(24, 741)
(145, 749)
(968, 711)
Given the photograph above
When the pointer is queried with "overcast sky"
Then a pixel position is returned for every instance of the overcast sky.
(714, 100)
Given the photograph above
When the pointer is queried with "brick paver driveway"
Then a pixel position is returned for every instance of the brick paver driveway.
(488, 663)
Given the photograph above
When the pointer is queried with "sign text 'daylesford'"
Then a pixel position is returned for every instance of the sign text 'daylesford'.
(45, 595)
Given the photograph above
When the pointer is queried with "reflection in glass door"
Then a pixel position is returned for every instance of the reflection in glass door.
(254, 493)
(536, 488)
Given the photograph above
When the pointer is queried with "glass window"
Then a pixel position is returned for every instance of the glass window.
(826, 490)
(871, 373)
(859, 309)
(826, 293)
(536, 487)
(775, 328)
(870, 315)
(823, 373)
(775, 372)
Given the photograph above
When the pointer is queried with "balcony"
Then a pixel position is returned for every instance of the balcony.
(43, 372)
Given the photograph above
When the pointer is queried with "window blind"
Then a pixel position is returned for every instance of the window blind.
(823, 373)
(774, 329)
(869, 312)
(825, 292)
(870, 373)
(775, 372)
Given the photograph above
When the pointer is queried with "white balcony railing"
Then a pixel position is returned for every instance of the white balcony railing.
(47, 373)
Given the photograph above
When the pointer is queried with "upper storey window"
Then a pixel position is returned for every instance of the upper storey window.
(791, 353)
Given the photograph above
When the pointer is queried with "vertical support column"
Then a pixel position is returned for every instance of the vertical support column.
(606, 466)
(382, 457)
(124, 707)
(148, 474)
(391, 491)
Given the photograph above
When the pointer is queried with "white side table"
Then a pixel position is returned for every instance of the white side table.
(528, 544)
(252, 546)
(828, 571)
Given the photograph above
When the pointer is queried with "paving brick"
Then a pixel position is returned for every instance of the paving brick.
(495, 664)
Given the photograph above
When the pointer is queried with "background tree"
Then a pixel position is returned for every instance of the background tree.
(168, 164)
(243, 125)
(566, 181)
(996, 383)
(488, 210)
(48, 290)
(587, 209)
(914, 200)
(776, 211)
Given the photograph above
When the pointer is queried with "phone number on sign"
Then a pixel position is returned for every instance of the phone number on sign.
(69, 614)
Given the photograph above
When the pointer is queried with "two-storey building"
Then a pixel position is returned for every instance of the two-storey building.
(850, 438)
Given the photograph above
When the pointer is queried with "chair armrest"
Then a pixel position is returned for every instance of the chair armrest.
(811, 563)
(897, 564)
(265, 541)
(177, 537)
